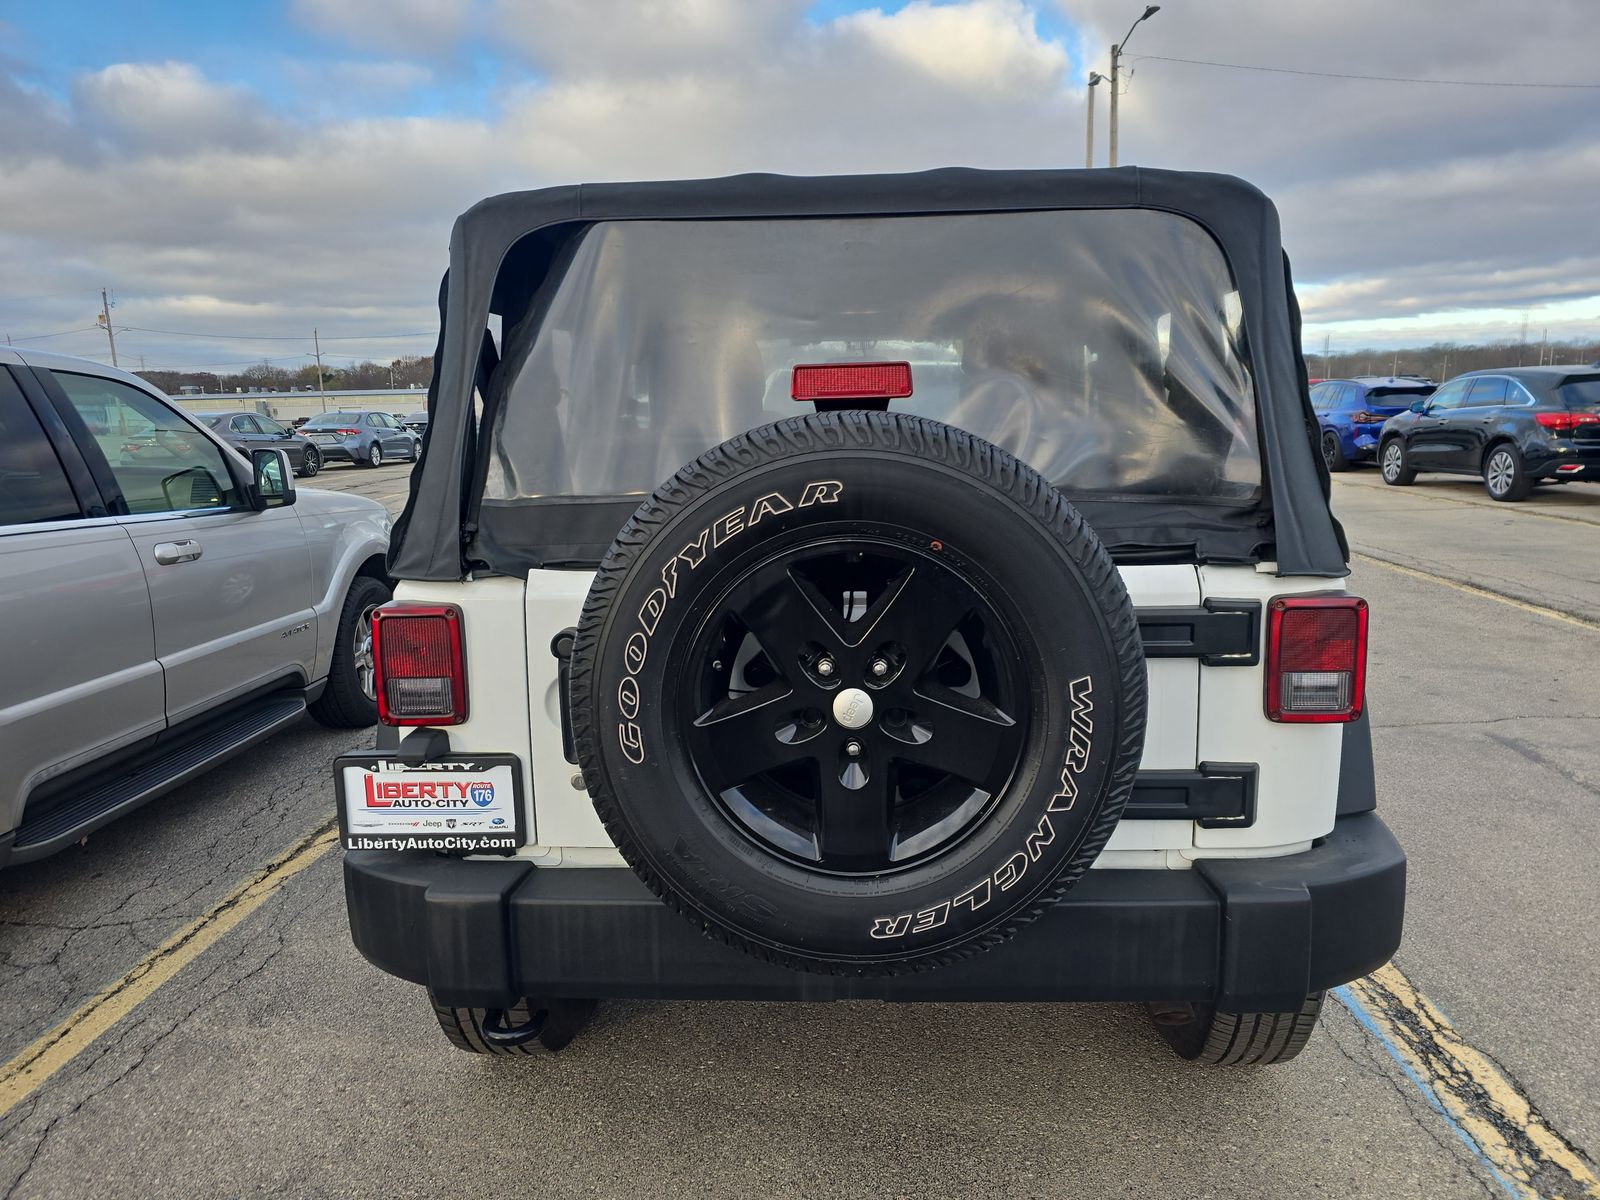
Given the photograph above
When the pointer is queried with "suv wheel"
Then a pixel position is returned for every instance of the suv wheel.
(350, 701)
(843, 721)
(1395, 464)
(375, 456)
(1200, 1033)
(1504, 475)
(519, 1032)
(310, 463)
(1332, 453)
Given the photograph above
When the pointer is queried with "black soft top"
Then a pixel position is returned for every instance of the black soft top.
(437, 538)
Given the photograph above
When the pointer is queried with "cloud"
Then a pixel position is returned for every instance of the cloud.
(208, 207)
(429, 28)
(169, 107)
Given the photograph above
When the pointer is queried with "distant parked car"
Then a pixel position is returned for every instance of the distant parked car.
(417, 422)
(1352, 412)
(365, 438)
(171, 604)
(247, 431)
(1515, 427)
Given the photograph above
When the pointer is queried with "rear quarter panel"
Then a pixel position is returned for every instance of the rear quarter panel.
(342, 532)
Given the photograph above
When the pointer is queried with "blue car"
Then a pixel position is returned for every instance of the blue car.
(1352, 412)
(364, 437)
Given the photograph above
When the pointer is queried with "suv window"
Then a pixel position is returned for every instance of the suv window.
(1451, 394)
(1322, 397)
(160, 461)
(33, 486)
(1486, 391)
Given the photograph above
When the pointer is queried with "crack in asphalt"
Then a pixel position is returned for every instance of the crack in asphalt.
(1481, 1098)
(1538, 759)
(1375, 1062)
(272, 929)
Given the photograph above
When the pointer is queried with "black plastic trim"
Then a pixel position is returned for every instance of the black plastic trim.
(1244, 934)
(1220, 633)
(1358, 789)
(1217, 796)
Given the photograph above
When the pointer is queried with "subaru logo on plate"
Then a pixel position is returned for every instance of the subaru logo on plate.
(482, 794)
(497, 820)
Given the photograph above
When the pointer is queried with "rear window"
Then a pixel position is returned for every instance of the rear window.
(1582, 391)
(1104, 347)
(332, 420)
(1402, 395)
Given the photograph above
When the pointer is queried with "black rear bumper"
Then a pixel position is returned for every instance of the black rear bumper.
(1245, 934)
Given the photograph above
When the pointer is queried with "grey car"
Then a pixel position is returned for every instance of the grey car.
(170, 602)
(249, 431)
(367, 438)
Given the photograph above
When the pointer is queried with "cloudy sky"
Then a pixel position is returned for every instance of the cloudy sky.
(256, 169)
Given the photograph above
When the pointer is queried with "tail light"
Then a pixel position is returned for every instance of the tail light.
(851, 381)
(349, 432)
(1369, 418)
(420, 664)
(1566, 422)
(1316, 658)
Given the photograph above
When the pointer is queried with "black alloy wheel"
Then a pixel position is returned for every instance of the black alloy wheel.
(858, 692)
(860, 704)
(310, 462)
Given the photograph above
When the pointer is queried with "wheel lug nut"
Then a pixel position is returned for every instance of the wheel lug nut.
(853, 749)
(880, 667)
(825, 666)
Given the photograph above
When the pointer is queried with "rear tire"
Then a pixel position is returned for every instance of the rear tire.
(310, 463)
(375, 456)
(348, 702)
(1332, 453)
(1505, 477)
(1395, 464)
(562, 1020)
(1199, 1033)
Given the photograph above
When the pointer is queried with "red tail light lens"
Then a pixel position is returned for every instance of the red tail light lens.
(852, 381)
(1316, 658)
(1566, 422)
(421, 666)
(1369, 418)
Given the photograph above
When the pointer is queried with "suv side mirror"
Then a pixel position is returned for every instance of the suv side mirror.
(1419, 406)
(273, 486)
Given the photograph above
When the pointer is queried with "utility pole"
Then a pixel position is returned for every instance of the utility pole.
(316, 341)
(391, 374)
(1088, 138)
(1522, 339)
(1326, 373)
(105, 319)
(1116, 56)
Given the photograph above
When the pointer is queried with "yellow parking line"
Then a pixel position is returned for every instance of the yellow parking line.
(1472, 589)
(25, 1073)
(1485, 1109)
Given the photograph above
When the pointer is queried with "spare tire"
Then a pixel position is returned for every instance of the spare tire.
(858, 692)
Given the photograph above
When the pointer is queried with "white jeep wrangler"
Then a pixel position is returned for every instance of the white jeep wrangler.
(912, 587)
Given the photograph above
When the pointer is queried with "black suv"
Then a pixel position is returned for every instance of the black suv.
(1515, 427)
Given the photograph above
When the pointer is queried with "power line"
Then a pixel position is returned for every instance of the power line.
(39, 337)
(275, 337)
(1494, 83)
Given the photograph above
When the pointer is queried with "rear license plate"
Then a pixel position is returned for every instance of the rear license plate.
(323, 438)
(469, 803)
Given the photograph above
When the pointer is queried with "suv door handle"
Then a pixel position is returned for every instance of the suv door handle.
(168, 553)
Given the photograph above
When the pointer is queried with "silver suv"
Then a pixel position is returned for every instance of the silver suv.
(169, 603)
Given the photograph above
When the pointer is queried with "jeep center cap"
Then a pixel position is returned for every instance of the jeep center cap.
(852, 708)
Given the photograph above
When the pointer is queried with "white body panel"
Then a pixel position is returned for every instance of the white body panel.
(1197, 714)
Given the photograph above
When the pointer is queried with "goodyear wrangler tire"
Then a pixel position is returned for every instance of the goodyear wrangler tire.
(858, 692)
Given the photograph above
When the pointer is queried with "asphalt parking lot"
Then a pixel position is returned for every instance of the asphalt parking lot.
(255, 1053)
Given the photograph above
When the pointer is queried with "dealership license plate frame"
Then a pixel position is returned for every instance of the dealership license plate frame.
(405, 829)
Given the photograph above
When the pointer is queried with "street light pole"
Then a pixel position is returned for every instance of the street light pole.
(1116, 55)
(1088, 137)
